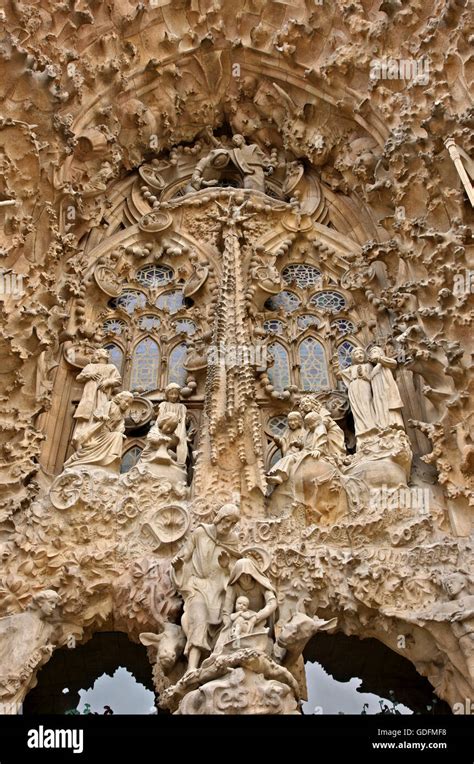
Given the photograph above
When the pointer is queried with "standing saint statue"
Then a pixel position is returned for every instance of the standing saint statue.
(385, 393)
(251, 161)
(200, 572)
(101, 378)
(173, 406)
(100, 443)
(358, 377)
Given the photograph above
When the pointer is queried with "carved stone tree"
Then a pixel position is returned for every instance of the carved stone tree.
(235, 348)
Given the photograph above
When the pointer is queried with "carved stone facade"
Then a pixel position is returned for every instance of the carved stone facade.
(235, 352)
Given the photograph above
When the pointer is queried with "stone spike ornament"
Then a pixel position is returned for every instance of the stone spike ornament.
(235, 340)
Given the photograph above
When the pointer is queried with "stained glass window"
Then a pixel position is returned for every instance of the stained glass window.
(278, 425)
(343, 326)
(274, 326)
(114, 326)
(184, 325)
(130, 300)
(329, 301)
(308, 320)
(313, 369)
(344, 354)
(115, 355)
(145, 365)
(149, 322)
(279, 373)
(155, 275)
(130, 458)
(176, 371)
(302, 274)
(171, 301)
(289, 301)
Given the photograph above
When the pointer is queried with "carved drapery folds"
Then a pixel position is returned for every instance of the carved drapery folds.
(226, 288)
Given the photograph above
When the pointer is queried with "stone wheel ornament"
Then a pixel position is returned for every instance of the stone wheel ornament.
(66, 490)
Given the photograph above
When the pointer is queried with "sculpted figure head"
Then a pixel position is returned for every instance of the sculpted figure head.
(309, 403)
(454, 584)
(101, 355)
(295, 420)
(238, 140)
(375, 353)
(226, 518)
(123, 400)
(312, 420)
(358, 355)
(45, 602)
(172, 392)
(167, 423)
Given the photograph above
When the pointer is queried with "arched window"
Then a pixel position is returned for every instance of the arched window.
(171, 301)
(329, 301)
(145, 365)
(130, 300)
(130, 458)
(313, 367)
(286, 300)
(155, 275)
(176, 371)
(115, 355)
(344, 354)
(279, 373)
(302, 274)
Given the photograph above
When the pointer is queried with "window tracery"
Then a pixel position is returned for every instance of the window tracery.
(316, 335)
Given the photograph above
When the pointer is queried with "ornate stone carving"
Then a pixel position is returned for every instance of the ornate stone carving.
(99, 442)
(174, 205)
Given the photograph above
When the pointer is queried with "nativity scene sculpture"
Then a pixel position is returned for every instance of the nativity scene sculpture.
(237, 516)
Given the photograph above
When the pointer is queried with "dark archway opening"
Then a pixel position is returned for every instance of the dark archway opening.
(383, 673)
(128, 670)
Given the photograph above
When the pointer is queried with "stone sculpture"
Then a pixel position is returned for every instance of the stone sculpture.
(246, 581)
(385, 394)
(358, 378)
(101, 378)
(173, 406)
(201, 178)
(100, 443)
(291, 445)
(200, 573)
(162, 444)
